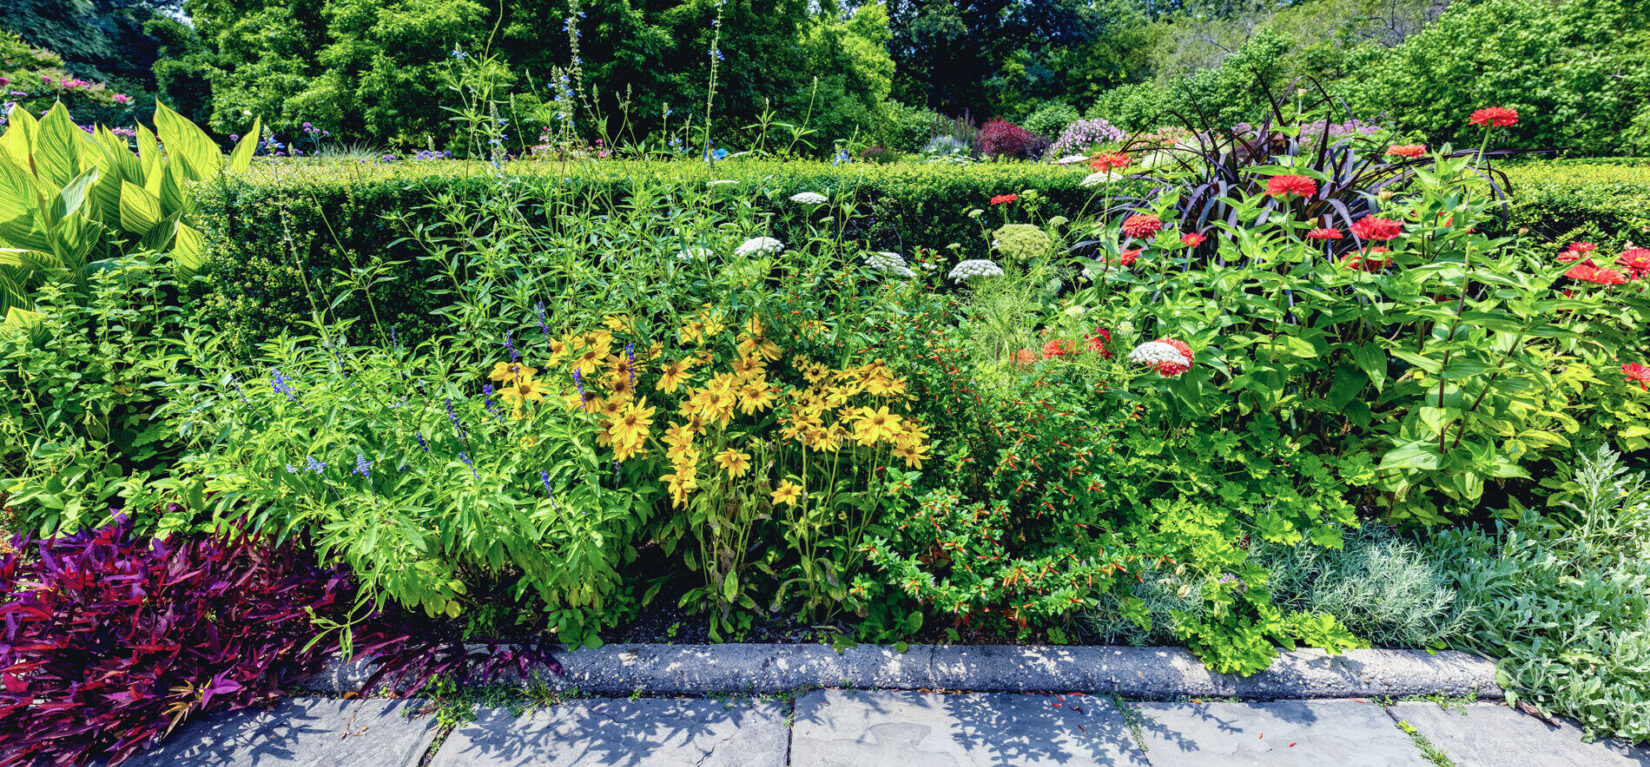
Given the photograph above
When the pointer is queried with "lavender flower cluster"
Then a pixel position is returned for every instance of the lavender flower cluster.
(1082, 134)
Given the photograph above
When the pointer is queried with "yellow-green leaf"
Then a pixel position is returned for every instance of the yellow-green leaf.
(139, 210)
(241, 158)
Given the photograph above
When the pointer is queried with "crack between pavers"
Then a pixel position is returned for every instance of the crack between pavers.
(790, 729)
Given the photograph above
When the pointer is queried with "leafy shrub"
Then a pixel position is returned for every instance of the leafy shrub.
(946, 148)
(1003, 139)
(35, 79)
(906, 129)
(1562, 597)
(1051, 120)
(1082, 136)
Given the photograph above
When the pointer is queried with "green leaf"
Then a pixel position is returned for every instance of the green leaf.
(241, 158)
(184, 141)
(56, 153)
(1413, 455)
(1371, 359)
(188, 252)
(730, 587)
(139, 210)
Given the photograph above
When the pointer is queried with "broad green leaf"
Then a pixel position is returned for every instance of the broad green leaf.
(139, 210)
(188, 252)
(1371, 359)
(18, 319)
(184, 141)
(1427, 364)
(241, 158)
(56, 150)
(149, 157)
(17, 143)
(1413, 455)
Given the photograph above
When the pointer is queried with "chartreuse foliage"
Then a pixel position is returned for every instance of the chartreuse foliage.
(71, 200)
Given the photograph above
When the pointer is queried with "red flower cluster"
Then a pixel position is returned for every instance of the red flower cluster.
(1500, 117)
(1409, 151)
(1058, 347)
(1192, 239)
(1004, 198)
(1377, 229)
(1142, 226)
(1636, 261)
(1129, 256)
(1097, 342)
(1324, 233)
(1576, 251)
(1172, 369)
(1633, 263)
(1637, 373)
(1369, 260)
(1025, 356)
(1283, 186)
(1104, 162)
(1587, 272)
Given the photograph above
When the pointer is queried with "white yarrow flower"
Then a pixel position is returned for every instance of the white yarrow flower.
(890, 262)
(759, 245)
(975, 267)
(1156, 353)
(720, 182)
(691, 254)
(1072, 159)
(810, 198)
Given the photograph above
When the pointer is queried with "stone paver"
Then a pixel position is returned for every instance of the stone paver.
(300, 732)
(1285, 733)
(911, 729)
(1489, 735)
(646, 732)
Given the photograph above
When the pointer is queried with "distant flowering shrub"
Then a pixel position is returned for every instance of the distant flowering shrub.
(1001, 138)
(1083, 134)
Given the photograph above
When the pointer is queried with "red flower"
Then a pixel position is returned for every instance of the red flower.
(1025, 356)
(1004, 198)
(1639, 373)
(1192, 239)
(1142, 226)
(1324, 233)
(1636, 261)
(1057, 347)
(1105, 162)
(1175, 368)
(1129, 256)
(1500, 117)
(1595, 275)
(1370, 260)
(1283, 186)
(1097, 342)
(1576, 252)
(1377, 229)
(1410, 151)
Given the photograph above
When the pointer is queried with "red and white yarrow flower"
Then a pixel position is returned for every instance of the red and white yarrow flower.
(1169, 356)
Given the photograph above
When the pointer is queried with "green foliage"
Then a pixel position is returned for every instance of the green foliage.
(1051, 119)
(42, 79)
(1562, 597)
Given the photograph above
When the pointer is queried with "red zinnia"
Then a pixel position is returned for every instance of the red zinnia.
(1002, 198)
(1636, 261)
(1283, 186)
(1097, 342)
(1377, 229)
(1172, 369)
(1025, 356)
(1500, 117)
(1370, 260)
(1639, 373)
(1192, 239)
(1104, 162)
(1410, 151)
(1129, 256)
(1058, 348)
(1576, 251)
(1325, 233)
(1595, 275)
(1142, 226)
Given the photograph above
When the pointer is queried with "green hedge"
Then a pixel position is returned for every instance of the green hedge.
(329, 217)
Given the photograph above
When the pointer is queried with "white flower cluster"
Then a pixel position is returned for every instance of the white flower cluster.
(759, 245)
(1103, 177)
(692, 254)
(720, 182)
(890, 262)
(1072, 159)
(1155, 353)
(810, 198)
(975, 267)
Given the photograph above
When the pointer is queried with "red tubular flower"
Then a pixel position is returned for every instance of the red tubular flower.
(1004, 198)
(1377, 229)
(1324, 233)
(1500, 117)
(1595, 275)
(1283, 186)
(1142, 226)
(1636, 261)
(1097, 342)
(1025, 356)
(1104, 162)
(1637, 373)
(1407, 151)
(1057, 347)
(1192, 239)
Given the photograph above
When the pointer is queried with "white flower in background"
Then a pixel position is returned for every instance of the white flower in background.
(759, 245)
(975, 267)
(691, 254)
(810, 198)
(890, 262)
(720, 181)
(1103, 177)
(1072, 159)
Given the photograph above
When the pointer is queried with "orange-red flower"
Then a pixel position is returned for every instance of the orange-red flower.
(1638, 373)
(1376, 229)
(1057, 347)
(1025, 356)
(1283, 186)
(1369, 260)
(1636, 261)
(1097, 342)
(1142, 226)
(1004, 198)
(1104, 162)
(1588, 273)
(1324, 233)
(1129, 256)
(1172, 369)
(1500, 117)
(1408, 151)
(1576, 251)
(1192, 239)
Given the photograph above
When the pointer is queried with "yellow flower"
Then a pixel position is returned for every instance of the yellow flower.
(692, 333)
(682, 485)
(749, 367)
(754, 398)
(787, 493)
(509, 371)
(633, 423)
(872, 426)
(520, 392)
(733, 462)
(621, 386)
(609, 407)
(589, 359)
(673, 374)
(814, 372)
(654, 350)
(753, 327)
(619, 323)
(814, 328)
(558, 349)
(913, 453)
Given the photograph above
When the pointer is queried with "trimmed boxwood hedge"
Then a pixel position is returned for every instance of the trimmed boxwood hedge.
(332, 215)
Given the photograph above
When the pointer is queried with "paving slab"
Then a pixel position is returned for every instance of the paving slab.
(1490, 735)
(1285, 733)
(646, 732)
(846, 728)
(301, 732)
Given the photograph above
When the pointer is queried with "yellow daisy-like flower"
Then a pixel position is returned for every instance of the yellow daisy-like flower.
(733, 462)
(692, 333)
(713, 324)
(505, 372)
(913, 453)
(618, 323)
(815, 372)
(673, 374)
(754, 398)
(620, 385)
(681, 486)
(590, 359)
(654, 350)
(753, 327)
(519, 392)
(749, 367)
(873, 426)
(609, 407)
(787, 493)
(633, 423)
(559, 347)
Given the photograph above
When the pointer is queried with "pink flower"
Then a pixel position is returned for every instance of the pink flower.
(1129, 256)
(1638, 373)
(1097, 342)
(1324, 233)
(1500, 117)
(1142, 226)
(1407, 151)
(1283, 186)
(1636, 261)
(1377, 229)
(1192, 239)
(121, 98)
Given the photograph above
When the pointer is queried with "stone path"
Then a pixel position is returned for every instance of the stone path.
(830, 728)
